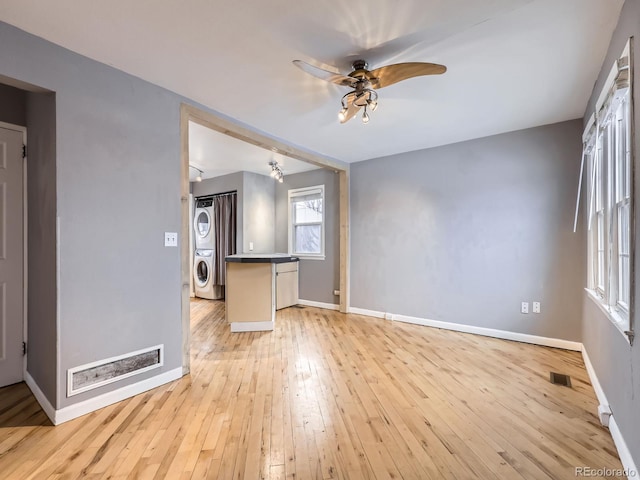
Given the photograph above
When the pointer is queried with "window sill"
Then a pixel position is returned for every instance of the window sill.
(308, 257)
(611, 314)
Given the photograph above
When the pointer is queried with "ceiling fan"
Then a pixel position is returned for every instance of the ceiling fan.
(365, 82)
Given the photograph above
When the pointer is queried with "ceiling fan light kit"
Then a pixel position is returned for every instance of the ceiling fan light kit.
(362, 98)
(365, 83)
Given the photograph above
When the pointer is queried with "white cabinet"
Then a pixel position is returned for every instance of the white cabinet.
(286, 284)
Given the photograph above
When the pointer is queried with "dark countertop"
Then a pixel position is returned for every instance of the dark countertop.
(261, 258)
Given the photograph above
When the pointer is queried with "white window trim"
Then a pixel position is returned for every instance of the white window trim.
(296, 192)
(607, 300)
(614, 317)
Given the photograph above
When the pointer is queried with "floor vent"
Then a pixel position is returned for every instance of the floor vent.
(96, 374)
(560, 379)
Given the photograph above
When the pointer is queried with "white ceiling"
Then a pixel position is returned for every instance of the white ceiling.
(512, 63)
(218, 154)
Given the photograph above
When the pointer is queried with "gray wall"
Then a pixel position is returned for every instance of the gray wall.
(14, 105)
(464, 233)
(616, 364)
(259, 213)
(256, 213)
(225, 183)
(318, 278)
(42, 323)
(118, 190)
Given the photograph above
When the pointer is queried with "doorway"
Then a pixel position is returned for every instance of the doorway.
(12, 253)
(190, 114)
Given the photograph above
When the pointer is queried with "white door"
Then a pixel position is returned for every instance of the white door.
(11, 257)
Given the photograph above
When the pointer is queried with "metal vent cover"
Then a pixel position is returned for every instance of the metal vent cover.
(102, 372)
(560, 379)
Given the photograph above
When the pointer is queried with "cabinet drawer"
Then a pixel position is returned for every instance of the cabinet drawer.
(287, 267)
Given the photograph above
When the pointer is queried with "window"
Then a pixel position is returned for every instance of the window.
(306, 222)
(607, 153)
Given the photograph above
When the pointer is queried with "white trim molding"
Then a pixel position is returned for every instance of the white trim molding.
(487, 332)
(92, 404)
(366, 313)
(40, 397)
(623, 450)
(313, 303)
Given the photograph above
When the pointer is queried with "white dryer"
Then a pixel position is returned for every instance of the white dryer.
(203, 223)
(203, 273)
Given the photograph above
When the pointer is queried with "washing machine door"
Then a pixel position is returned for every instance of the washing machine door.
(202, 223)
(201, 272)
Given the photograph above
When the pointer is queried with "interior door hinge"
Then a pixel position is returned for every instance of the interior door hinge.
(24, 151)
(24, 348)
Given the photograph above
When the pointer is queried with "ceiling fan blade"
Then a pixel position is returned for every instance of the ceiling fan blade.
(326, 75)
(352, 109)
(385, 76)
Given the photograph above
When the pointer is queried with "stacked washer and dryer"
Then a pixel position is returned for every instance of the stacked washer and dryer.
(205, 245)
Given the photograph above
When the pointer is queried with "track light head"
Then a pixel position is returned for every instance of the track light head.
(199, 175)
(276, 171)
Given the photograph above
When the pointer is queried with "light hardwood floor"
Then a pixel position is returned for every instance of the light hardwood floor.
(327, 395)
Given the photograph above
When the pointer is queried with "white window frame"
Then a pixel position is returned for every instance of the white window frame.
(300, 192)
(608, 141)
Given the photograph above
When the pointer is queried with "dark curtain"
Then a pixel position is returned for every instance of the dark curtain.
(224, 224)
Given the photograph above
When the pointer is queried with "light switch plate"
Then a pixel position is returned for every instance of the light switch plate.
(536, 307)
(524, 307)
(170, 239)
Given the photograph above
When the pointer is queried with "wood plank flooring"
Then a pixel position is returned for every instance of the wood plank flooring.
(327, 396)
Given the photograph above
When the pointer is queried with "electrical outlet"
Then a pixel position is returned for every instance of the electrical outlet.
(524, 307)
(536, 307)
(170, 239)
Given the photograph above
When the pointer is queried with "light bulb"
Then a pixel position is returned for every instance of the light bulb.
(273, 172)
(373, 105)
(342, 114)
(365, 116)
(199, 178)
(280, 180)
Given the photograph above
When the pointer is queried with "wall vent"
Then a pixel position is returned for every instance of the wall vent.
(96, 374)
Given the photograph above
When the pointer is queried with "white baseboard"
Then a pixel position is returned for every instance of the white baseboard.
(366, 313)
(40, 397)
(313, 303)
(595, 383)
(623, 450)
(251, 326)
(492, 332)
(487, 332)
(87, 406)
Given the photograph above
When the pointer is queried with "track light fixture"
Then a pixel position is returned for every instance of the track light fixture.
(276, 171)
(200, 172)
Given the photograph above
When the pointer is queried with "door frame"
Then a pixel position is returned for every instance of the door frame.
(224, 125)
(25, 240)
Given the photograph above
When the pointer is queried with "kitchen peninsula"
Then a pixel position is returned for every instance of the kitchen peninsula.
(256, 286)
